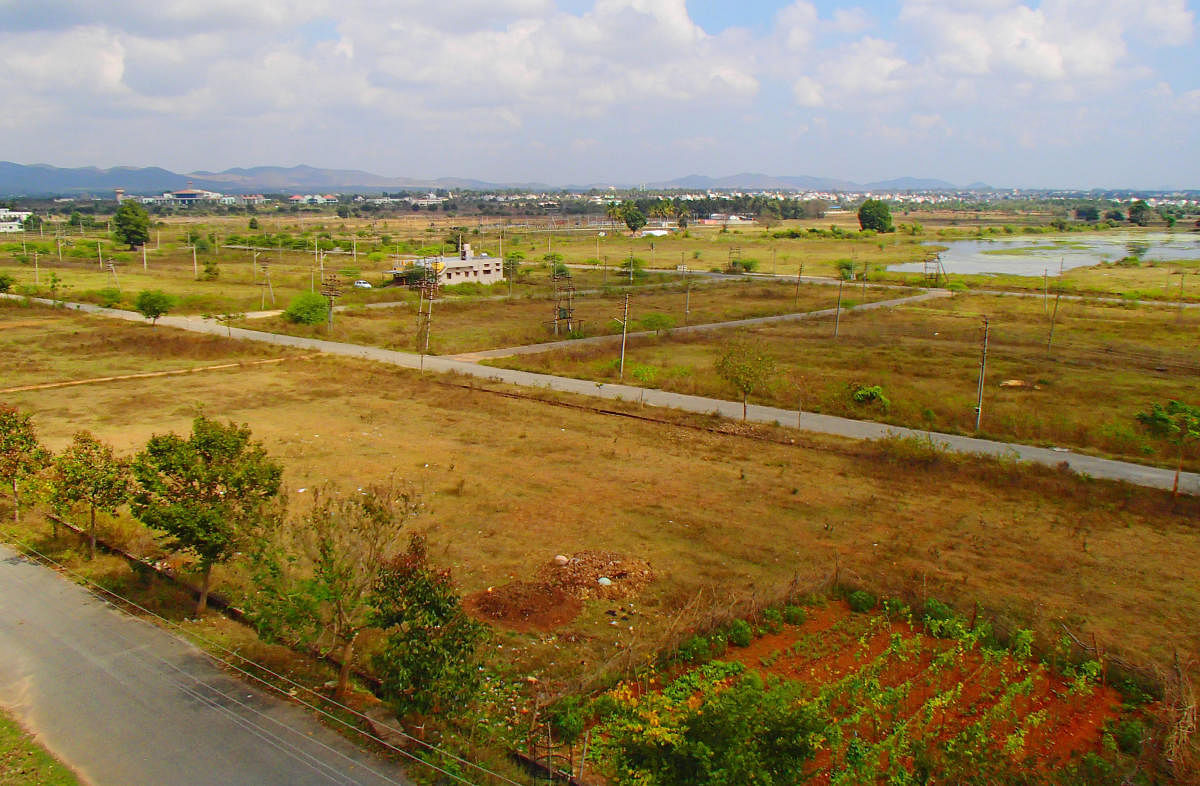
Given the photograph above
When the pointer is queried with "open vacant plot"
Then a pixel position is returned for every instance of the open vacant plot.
(1106, 363)
(466, 325)
(510, 481)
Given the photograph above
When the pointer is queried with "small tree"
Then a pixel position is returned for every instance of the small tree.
(875, 214)
(21, 455)
(206, 492)
(315, 577)
(1139, 213)
(131, 223)
(633, 218)
(307, 308)
(658, 322)
(746, 368)
(1178, 424)
(512, 264)
(87, 473)
(153, 303)
(428, 662)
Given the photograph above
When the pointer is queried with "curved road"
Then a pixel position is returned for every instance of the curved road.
(121, 701)
(1139, 474)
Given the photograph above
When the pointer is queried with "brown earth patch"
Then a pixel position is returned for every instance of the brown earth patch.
(523, 606)
(580, 577)
(557, 596)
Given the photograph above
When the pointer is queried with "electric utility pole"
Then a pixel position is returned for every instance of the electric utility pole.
(624, 331)
(982, 374)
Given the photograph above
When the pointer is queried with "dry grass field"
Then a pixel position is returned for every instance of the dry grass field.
(1107, 362)
(463, 325)
(512, 481)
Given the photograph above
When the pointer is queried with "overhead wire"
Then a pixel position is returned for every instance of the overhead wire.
(282, 678)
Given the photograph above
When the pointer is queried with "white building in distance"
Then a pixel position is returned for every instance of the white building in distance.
(12, 220)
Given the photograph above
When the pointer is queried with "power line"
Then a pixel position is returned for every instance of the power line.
(427, 745)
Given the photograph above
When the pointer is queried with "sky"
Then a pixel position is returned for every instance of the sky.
(1050, 94)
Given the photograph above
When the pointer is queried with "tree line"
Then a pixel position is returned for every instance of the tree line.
(318, 579)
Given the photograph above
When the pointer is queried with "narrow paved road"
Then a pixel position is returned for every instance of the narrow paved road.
(799, 316)
(123, 702)
(1139, 474)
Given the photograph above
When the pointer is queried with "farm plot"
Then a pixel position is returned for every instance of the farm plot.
(918, 366)
(851, 698)
(470, 325)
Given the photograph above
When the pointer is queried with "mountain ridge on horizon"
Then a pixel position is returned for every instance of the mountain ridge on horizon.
(48, 180)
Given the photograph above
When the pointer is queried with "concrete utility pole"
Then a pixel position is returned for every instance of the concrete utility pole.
(837, 314)
(687, 301)
(331, 288)
(195, 263)
(982, 374)
(99, 255)
(37, 282)
(624, 332)
(1053, 319)
(145, 264)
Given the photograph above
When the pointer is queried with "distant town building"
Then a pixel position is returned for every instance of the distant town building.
(183, 197)
(451, 270)
(312, 199)
(12, 220)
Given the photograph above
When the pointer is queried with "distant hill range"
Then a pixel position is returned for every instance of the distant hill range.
(46, 180)
(758, 181)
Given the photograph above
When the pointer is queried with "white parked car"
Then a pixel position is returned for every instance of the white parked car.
(361, 284)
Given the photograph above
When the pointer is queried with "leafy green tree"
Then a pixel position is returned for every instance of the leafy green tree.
(1087, 213)
(1115, 215)
(658, 322)
(6, 282)
(1139, 213)
(746, 368)
(749, 732)
(153, 303)
(87, 473)
(1178, 424)
(21, 455)
(633, 218)
(315, 577)
(875, 214)
(32, 223)
(512, 264)
(307, 308)
(208, 492)
(131, 223)
(429, 661)
(253, 223)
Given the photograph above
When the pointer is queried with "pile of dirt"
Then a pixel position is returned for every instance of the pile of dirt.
(557, 595)
(523, 606)
(580, 576)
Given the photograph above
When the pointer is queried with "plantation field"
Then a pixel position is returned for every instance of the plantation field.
(880, 696)
(1106, 363)
(463, 325)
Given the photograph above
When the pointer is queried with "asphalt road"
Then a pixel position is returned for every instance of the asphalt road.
(1139, 474)
(123, 702)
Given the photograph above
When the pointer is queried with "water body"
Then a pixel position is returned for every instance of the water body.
(1031, 256)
